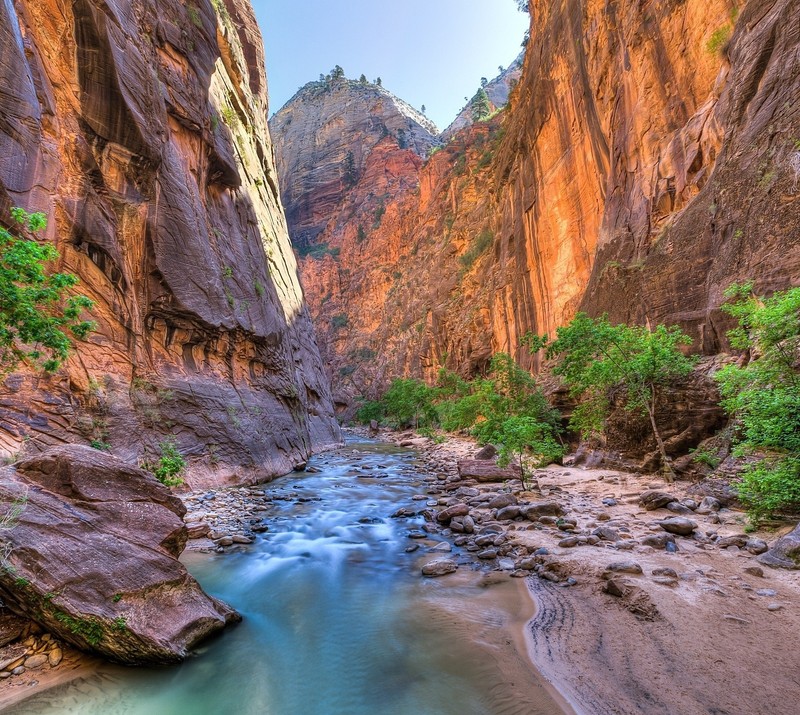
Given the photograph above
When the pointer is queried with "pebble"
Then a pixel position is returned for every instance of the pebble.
(624, 567)
(774, 607)
(766, 592)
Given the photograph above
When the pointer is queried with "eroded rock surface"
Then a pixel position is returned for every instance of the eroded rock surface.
(140, 130)
(93, 557)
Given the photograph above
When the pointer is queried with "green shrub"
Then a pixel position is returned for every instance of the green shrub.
(764, 397)
(719, 38)
(339, 321)
(170, 464)
(369, 411)
(476, 249)
(35, 310)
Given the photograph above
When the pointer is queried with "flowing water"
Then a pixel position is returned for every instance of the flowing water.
(337, 620)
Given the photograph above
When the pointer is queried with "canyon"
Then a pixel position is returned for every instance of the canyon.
(646, 160)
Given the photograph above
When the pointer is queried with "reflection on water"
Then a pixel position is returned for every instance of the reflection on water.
(337, 620)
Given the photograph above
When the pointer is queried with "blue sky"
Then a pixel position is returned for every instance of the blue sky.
(430, 52)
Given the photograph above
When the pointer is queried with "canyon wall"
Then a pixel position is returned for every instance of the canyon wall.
(644, 163)
(140, 130)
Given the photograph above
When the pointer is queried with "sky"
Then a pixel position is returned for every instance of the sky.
(430, 52)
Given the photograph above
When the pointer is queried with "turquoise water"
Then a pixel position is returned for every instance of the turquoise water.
(337, 620)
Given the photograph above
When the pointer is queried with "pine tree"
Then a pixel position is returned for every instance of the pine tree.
(481, 107)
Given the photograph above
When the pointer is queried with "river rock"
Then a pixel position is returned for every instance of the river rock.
(655, 499)
(444, 516)
(93, 527)
(678, 525)
(35, 662)
(507, 512)
(488, 451)
(606, 533)
(785, 552)
(708, 505)
(197, 531)
(486, 470)
(501, 501)
(756, 546)
(624, 567)
(439, 567)
(487, 554)
(542, 508)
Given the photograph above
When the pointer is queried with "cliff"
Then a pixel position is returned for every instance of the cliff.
(643, 164)
(324, 135)
(140, 130)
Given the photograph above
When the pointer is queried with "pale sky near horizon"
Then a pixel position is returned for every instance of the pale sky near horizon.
(430, 52)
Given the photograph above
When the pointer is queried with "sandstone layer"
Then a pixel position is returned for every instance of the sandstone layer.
(643, 164)
(140, 130)
(92, 556)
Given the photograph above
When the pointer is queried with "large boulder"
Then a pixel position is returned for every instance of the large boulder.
(785, 552)
(486, 470)
(92, 555)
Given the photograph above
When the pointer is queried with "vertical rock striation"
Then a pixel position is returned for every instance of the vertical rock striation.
(140, 130)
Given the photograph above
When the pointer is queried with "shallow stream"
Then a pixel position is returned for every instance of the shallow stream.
(337, 620)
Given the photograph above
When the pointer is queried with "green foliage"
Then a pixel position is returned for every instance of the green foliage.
(764, 396)
(339, 321)
(361, 234)
(350, 173)
(379, 212)
(480, 106)
(258, 286)
(34, 307)
(596, 358)
(194, 15)
(369, 411)
(719, 39)
(170, 464)
(88, 628)
(704, 456)
(318, 251)
(409, 402)
(528, 443)
(100, 445)
(476, 249)
(120, 624)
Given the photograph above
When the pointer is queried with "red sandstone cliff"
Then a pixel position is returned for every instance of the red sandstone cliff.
(644, 164)
(140, 130)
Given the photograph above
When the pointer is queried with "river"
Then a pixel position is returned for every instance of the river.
(337, 619)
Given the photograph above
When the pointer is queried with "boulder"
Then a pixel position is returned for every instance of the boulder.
(654, 499)
(658, 541)
(785, 552)
(486, 470)
(507, 512)
(444, 516)
(94, 558)
(488, 451)
(542, 508)
(439, 567)
(678, 525)
(502, 500)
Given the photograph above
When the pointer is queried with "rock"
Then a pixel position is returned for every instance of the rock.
(614, 587)
(54, 657)
(507, 512)
(735, 540)
(486, 470)
(677, 508)
(11, 627)
(658, 541)
(241, 539)
(543, 508)
(654, 499)
(671, 573)
(756, 546)
(197, 531)
(569, 542)
(708, 505)
(224, 541)
(488, 451)
(678, 525)
(487, 554)
(442, 546)
(444, 516)
(469, 524)
(439, 567)
(771, 592)
(624, 567)
(754, 571)
(501, 501)
(774, 607)
(606, 533)
(12, 656)
(125, 532)
(665, 581)
(609, 501)
(36, 661)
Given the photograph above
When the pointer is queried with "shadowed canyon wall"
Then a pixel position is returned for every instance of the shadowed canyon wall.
(140, 130)
(643, 164)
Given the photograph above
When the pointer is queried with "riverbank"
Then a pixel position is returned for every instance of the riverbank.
(639, 609)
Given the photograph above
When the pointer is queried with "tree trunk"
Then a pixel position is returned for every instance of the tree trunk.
(660, 442)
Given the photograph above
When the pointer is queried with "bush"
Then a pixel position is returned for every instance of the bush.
(764, 397)
(477, 248)
(369, 411)
(169, 466)
(34, 307)
(409, 403)
(528, 443)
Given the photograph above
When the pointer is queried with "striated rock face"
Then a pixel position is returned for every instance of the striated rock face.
(324, 136)
(643, 164)
(140, 130)
(93, 557)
